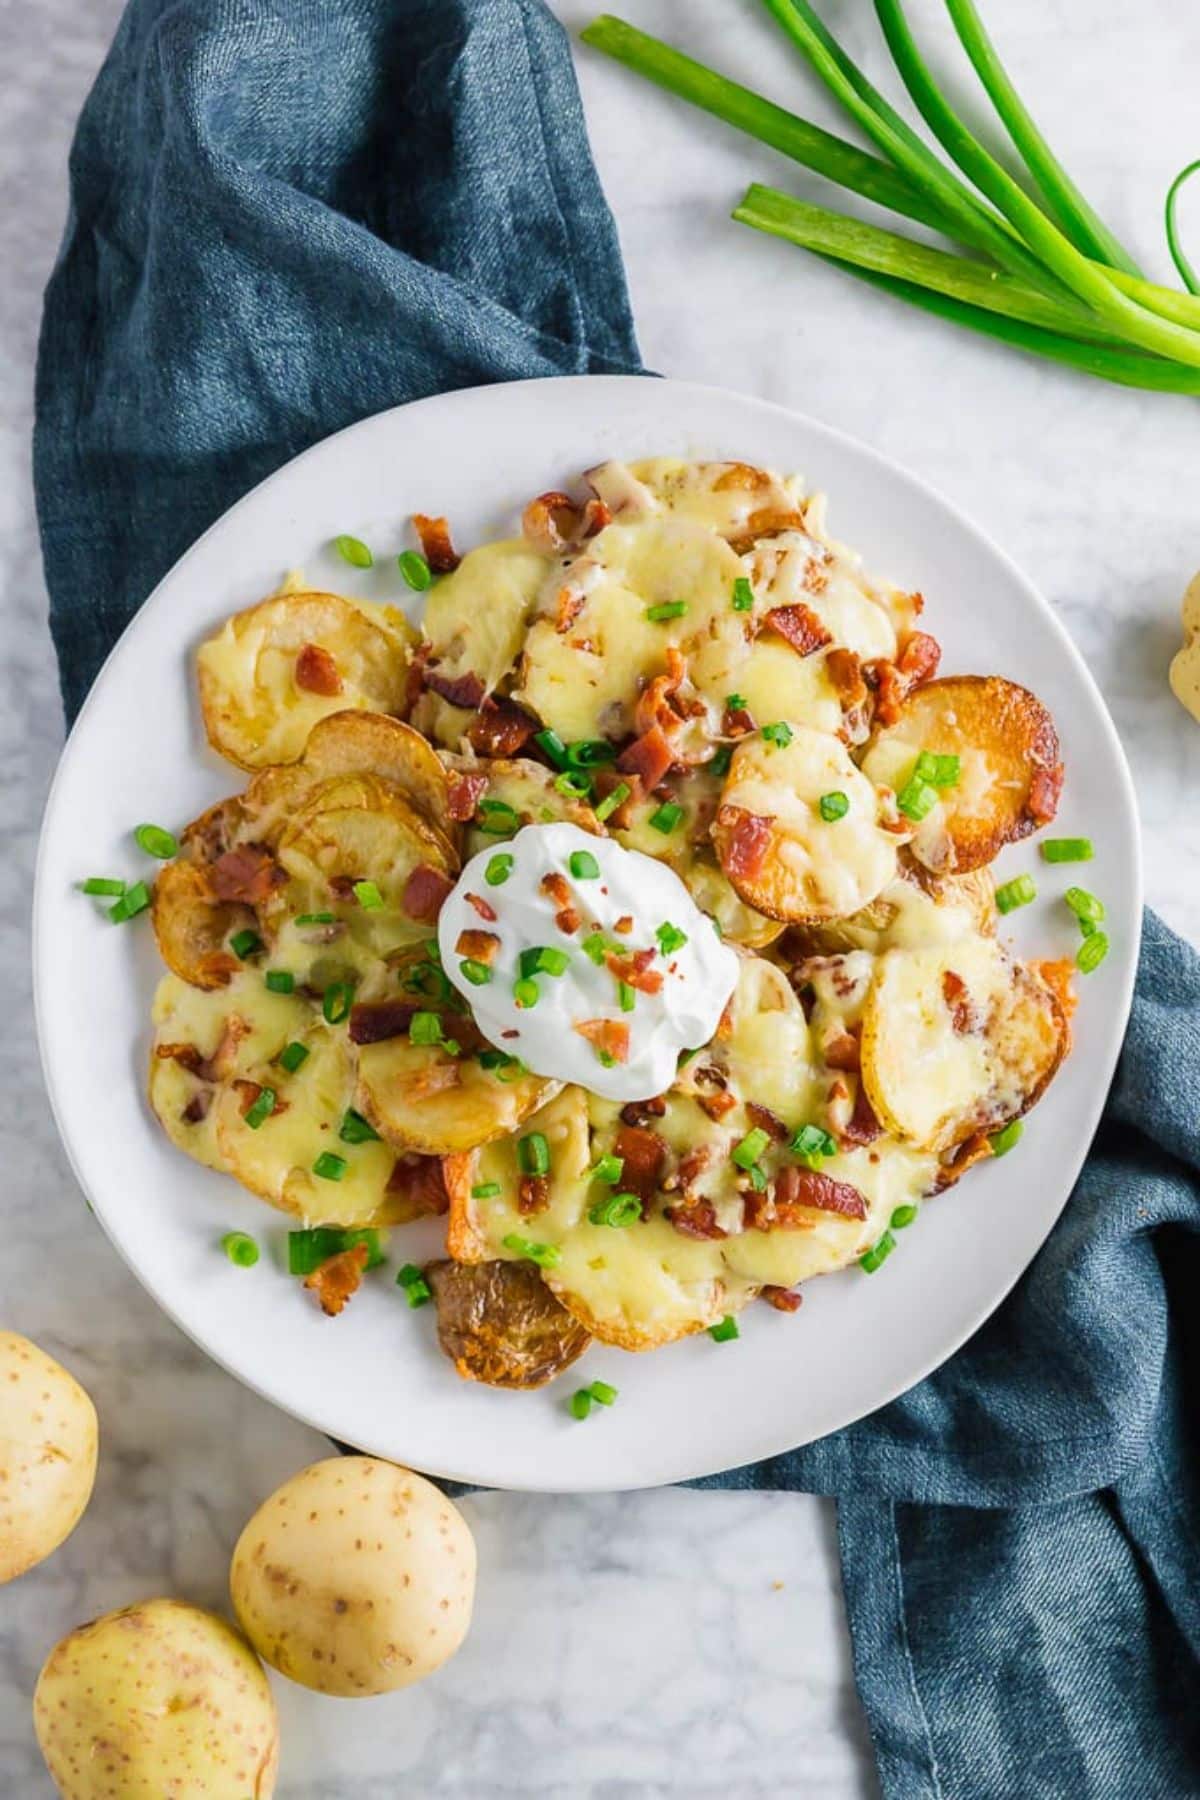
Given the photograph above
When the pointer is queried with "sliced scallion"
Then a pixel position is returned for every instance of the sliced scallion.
(353, 551)
(156, 842)
(415, 570)
(240, 1248)
(1020, 891)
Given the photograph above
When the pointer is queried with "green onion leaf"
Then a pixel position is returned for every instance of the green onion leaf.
(725, 1331)
(329, 1166)
(670, 938)
(1020, 891)
(743, 595)
(878, 1253)
(833, 806)
(617, 1210)
(543, 959)
(156, 842)
(719, 764)
(546, 1256)
(133, 901)
(576, 784)
(626, 996)
(581, 1403)
(917, 799)
(498, 818)
(666, 817)
(590, 753)
(477, 973)
(902, 1216)
(611, 802)
(279, 981)
(240, 1248)
(552, 745)
(595, 947)
(336, 1002)
(498, 869)
(1003, 1141)
(245, 943)
(425, 1028)
(1067, 850)
(938, 771)
(261, 1109)
(602, 1393)
(1091, 952)
(354, 1129)
(353, 551)
(292, 1055)
(368, 896)
(415, 570)
(583, 865)
(811, 1144)
(321, 918)
(607, 1169)
(666, 609)
(779, 734)
(103, 884)
(1087, 909)
(486, 1190)
(417, 1290)
(746, 1153)
(533, 1153)
(307, 1250)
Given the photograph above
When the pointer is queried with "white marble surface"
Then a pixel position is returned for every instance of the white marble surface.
(671, 1642)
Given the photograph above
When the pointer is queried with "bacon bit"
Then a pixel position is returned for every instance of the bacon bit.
(767, 521)
(884, 678)
(842, 1052)
(862, 1127)
(248, 874)
(635, 970)
(187, 1056)
(893, 682)
(1044, 790)
(483, 907)
(654, 702)
(464, 794)
(317, 672)
(551, 521)
(207, 1068)
(693, 1164)
(342, 886)
(434, 534)
(502, 728)
(747, 840)
(696, 1219)
(737, 721)
(643, 1154)
(964, 1156)
(457, 690)
(919, 659)
(416, 1189)
(607, 780)
(248, 1092)
(533, 1194)
(784, 1300)
(796, 1192)
(1058, 973)
(800, 627)
(336, 1279)
(717, 1105)
(649, 757)
(425, 892)
(610, 1037)
(624, 925)
(414, 680)
(844, 669)
(374, 1021)
(555, 889)
(640, 1112)
(568, 606)
(964, 1017)
(480, 946)
(196, 1110)
(767, 1121)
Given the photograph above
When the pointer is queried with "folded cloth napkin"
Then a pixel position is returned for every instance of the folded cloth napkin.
(287, 216)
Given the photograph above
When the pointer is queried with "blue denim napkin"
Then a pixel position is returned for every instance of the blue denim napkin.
(288, 214)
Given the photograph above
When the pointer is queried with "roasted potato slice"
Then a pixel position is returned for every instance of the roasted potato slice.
(192, 928)
(528, 789)
(915, 909)
(1010, 771)
(476, 618)
(781, 855)
(420, 1098)
(368, 743)
(272, 671)
(499, 1323)
(957, 1039)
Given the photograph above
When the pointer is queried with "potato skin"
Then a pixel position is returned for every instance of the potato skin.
(159, 1699)
(48, 1446)
(499, 1323)
(355, 1577)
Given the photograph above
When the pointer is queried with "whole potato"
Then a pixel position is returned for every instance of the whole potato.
(48, 1443)
(157, 1701)
(355, 1577)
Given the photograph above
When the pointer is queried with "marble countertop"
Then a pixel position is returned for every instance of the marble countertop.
(600, 1664)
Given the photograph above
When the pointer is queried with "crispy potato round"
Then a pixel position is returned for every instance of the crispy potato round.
(499, 1323)
(419, 1098)
(48, 1447)
(1009, 760)
(957, 1039)
(781, 855)
(192, 928)
(368, 743)
(688, 849)
(159, 1698)
(356, 1577)
(272, 671)
(917, 908)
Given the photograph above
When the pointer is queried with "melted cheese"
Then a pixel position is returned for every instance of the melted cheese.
(477, 617)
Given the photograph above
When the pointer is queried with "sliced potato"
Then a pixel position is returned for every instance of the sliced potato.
(499, 1323)
(420, 1098)
(215, 831)
(915, 909)
(256, 712)
(476, 618)
(777, 850)
(957, 1039)
(367, 743)
(1009, 760)
(192, 928)
(529, 789)
(768, 1051)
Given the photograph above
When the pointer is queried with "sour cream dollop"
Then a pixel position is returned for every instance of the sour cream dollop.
(577, 1029)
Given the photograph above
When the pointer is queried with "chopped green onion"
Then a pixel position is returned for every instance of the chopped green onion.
(833, 806)
(1067, 850)
(499, 818)
(602, 1393)
(261, 1109)
(476, 972)
(611, 802)
(606, 1058)
(939, 771)
(103, 884)
(1003, 1141)
(811, 1144)
(135, 900)
(337, 1001)
(415, 570)
(666, 609)
(779, 734)
(498, 869)
(279, 981)
(743, 595)
(292, 1055)
(1091, 952)
(543, 959)
(240, 1248)
(1018, 892)
(595, 947)
(1087, 909)
(245, 943)
(368, 896)
(353, 551)
(902, 1216)
(354, 1129)
(321, 918)
(746, 1153)
(607, 1169)
(725, 1331)
(617, 1210)
(758, 1178)
(533, 1153)
(581, 1403)
(553, 746)
(307, 1250)
(670, 938)
(486, 1190)
(452, 1047)
(511, 1069)
(590, 753)
(719, 764)
(417, 1290)
(583, 865)
(666, 817)
(917, 799)
(626, 996)
(425, 1028)
(329, 1166)
(575, 784)
(546, 1256)
(156, 842)
(878, 1253)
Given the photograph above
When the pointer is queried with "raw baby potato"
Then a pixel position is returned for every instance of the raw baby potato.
(355, 1577)
(48, 1440)
(157, 1700)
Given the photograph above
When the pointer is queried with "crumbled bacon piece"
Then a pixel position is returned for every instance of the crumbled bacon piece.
(766, 521)
(416, 1188)
(338, 1277)
(466, 690)
(795, 1193)
(862, 1127)
(640, 1112)
(919, 659)
(554, 887)
(649, 757)
(799, 626)
(317, 672)
(434, 534)
(248, 874)
(844, 669)
(964, 1156)
(692, 1164)
(697, 1219)
(654, 702)
(463, 795)
(737, 721)
(642, 1154)
(964, 1017)
(718, 1104)
(533, 1194)
(624, 924)
(248, 1092)
(1058, 973)
(425, 892)
(635, 970)
(209, 1068)
(610, 1037)
(1044, 790)
(374, 1021)
(197, 1108)
(187, 1056)
(747, 840)
(842, 1052)
(479, 946)
(483, 907)
(894, 681)
(767, 1121)
(550, 521)
(501, 728)
(784, 1300)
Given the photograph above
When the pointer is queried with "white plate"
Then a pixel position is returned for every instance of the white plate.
(375, 1377)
